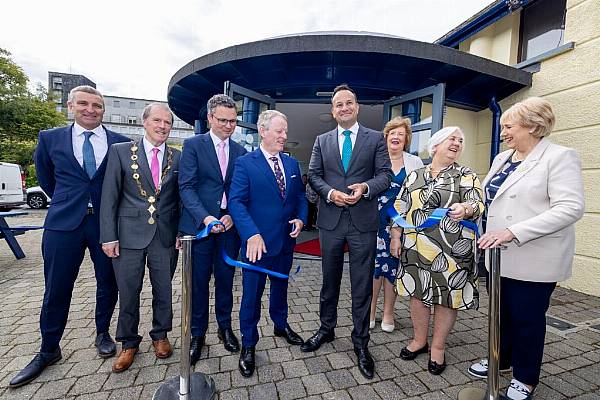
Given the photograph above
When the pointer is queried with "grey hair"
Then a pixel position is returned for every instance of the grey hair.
(149, 107)
(265, 118)
(440, 136)
(220, 100)
(85, 89)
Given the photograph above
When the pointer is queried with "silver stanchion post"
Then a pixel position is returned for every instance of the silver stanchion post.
(186, 386)
(493, 377)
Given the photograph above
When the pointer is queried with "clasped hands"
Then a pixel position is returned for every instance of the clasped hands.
(218, 228)
(255, 246)
(342, 199)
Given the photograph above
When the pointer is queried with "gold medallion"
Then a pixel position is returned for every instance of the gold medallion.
(151, 209)
(134, 157)
(134, 166)
(134, 148)
(136, 176)
(151, 221)
(151, 199)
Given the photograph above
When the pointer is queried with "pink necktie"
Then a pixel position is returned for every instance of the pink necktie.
(223, 164)
(154, 168)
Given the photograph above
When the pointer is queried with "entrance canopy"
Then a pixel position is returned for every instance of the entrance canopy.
(306, 67)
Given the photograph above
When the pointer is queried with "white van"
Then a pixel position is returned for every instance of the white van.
(12, 186)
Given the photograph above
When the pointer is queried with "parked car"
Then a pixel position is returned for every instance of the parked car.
(12, 186)
(37, 198)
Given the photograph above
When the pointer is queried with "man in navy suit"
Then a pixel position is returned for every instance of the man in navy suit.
(205, 172)
(268, 205)
(70, 164)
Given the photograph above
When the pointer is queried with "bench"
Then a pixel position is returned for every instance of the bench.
(8, 233)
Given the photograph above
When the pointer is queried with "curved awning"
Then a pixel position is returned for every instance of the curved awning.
(295, 68)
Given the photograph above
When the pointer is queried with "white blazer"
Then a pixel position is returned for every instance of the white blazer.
(411, 162)
(540, 203)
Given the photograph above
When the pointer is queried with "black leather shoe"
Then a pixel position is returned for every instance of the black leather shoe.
(366, 365)
(289, 335)
(106, 345)
(35, 368)
(230, 342)
(434, 368)
(316, 341)
(196, 345)
(408, 355)
(247, 362)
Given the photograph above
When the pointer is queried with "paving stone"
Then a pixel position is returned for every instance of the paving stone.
(341, 379)
(293, 369)
(262, 392)
(316, 384)
(88, 384)
(55, 389)
(234, 394)
(291, 389)
(131, 392)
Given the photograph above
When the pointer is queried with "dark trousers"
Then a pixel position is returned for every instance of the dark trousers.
(207, 259)
(253, 285)
(361, 246)
(523, 307)
(129, 270)
(63, 252)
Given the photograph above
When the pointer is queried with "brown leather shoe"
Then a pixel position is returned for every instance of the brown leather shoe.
(162, 348)
(124, 360)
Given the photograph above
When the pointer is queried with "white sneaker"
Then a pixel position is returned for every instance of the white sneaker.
(372, 324)
(389, 328)
(480, 369)
(518, 391)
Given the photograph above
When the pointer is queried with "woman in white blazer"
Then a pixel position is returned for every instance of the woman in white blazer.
(534, 196)
(398, 134)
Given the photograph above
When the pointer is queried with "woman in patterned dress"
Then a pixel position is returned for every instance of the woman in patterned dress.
(438, 264)
(397, 133)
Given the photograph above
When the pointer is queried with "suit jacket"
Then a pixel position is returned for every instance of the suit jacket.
(539, 202)
(64, 179)
(370, 163)
(124, 212)
(256, 205)
(201, 183)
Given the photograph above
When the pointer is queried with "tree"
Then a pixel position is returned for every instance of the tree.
(22, 113)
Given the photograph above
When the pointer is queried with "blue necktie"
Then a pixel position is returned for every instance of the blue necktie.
(89, 159)
(346, 150)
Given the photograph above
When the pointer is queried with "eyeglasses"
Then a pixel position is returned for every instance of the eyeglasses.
(224, 121)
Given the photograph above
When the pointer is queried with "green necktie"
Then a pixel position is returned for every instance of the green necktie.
(346, 150)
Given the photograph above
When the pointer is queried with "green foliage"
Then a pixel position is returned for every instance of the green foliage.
(23, 113)
(31, 179)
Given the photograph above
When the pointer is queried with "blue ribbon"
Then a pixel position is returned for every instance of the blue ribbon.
(436, 216)
(234, 263)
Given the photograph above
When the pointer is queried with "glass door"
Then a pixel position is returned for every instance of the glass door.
(249, 104)
(425, 108)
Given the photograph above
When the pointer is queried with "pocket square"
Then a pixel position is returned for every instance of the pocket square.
(294, 176)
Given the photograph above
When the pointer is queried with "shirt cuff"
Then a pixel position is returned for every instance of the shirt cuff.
(114, 241)
(329, 195)
(366, 194)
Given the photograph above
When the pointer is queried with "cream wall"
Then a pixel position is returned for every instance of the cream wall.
(571, 82)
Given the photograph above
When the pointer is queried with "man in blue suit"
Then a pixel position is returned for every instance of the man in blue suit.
(70, 164)
(205, 172)
(268, 205)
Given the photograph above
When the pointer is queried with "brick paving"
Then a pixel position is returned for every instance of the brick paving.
(571, 367)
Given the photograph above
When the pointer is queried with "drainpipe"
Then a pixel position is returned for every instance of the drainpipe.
(496, 112)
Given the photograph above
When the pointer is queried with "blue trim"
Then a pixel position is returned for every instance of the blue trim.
(496, 112)
(481, 21)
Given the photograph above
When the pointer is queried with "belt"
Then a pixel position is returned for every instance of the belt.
(90, 211)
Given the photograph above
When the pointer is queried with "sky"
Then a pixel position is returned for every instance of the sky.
(132, 48)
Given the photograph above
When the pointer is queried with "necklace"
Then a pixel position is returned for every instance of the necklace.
(136, 176)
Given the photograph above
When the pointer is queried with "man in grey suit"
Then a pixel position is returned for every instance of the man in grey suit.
(138, 226)
(348, 168)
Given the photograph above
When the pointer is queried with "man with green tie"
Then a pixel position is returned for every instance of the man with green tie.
(348, 168)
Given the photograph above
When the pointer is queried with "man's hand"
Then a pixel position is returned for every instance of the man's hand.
(111, 249)
(215, 229)
(227, 221)
(358, 189)
(298, 224)
(178, 244)
(338, 198)
(255, 247)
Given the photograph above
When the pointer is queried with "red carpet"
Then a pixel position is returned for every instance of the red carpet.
(312, 247)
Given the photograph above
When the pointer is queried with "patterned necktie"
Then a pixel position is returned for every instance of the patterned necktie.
(89, 159)
(223, 164)
(346, 150)
(154, 168)
(278, 176)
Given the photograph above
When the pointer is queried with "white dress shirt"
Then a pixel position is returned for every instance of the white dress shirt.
(271, 163)
(160, 155)
(216, 140)
(98, 140)
(341, 137)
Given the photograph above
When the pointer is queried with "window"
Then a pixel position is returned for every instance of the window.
(132, 104)
(115, 118)
(116, 103)
(542, 28)
(132, 120)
